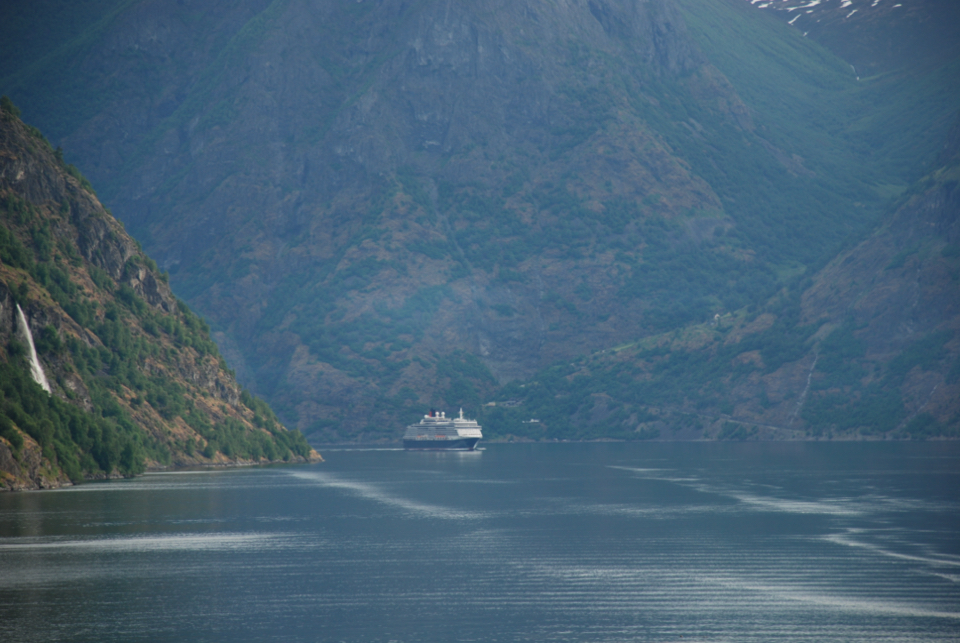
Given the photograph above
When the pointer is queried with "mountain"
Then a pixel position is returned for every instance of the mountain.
(103, 372)
(868, 347)
(382, 206)
(876, 36)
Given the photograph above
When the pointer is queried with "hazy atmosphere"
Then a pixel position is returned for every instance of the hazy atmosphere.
(543, 320)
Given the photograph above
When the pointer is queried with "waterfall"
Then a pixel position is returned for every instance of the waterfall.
(803, 396)
(35, 369)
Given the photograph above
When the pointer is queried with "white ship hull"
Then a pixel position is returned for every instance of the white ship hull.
(455, 444)
(437, 432)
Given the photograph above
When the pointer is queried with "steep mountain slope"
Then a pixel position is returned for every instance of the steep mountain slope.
(895, 300)
(868, 347)
(876, 36)
(132, 377)
(387, 205)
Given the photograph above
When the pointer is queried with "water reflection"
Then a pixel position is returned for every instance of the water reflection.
(813, 542)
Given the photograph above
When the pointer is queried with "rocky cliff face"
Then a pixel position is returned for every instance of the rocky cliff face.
(29, 173)
(26, 469)
(134, 378)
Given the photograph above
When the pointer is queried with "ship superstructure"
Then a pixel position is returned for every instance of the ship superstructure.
(437, 431)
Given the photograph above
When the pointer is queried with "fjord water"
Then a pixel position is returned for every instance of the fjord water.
(540, 542)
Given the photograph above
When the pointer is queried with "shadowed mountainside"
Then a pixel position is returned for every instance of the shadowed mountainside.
(134, 378)
(868, 347)
(876, 37)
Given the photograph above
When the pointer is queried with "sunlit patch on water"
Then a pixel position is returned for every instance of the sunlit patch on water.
(778, 596)
(849, 539)
(830, 507)
(376, 493)
(849, 506)
(145, 544)
(648, 511)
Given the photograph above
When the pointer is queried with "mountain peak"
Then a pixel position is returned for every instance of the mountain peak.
(876, 36)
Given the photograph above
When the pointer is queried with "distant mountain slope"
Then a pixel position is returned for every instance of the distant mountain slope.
(896, 299)
(134, 379)
(869, 347)
(383, 206)
(876, 36)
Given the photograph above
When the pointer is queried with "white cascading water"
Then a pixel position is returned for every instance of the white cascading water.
(35, 369)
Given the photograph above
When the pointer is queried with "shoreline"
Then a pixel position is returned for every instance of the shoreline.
(42, 483)
(845, 439)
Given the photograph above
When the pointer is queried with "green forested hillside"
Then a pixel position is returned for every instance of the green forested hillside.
(385, 206)
(134, 378)
(869, 346)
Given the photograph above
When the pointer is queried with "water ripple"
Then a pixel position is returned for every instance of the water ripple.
(373, 492)
(141, 544)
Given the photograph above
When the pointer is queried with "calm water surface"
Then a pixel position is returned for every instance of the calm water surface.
(547, 542)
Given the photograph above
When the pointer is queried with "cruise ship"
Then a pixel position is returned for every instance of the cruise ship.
(436, 431)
